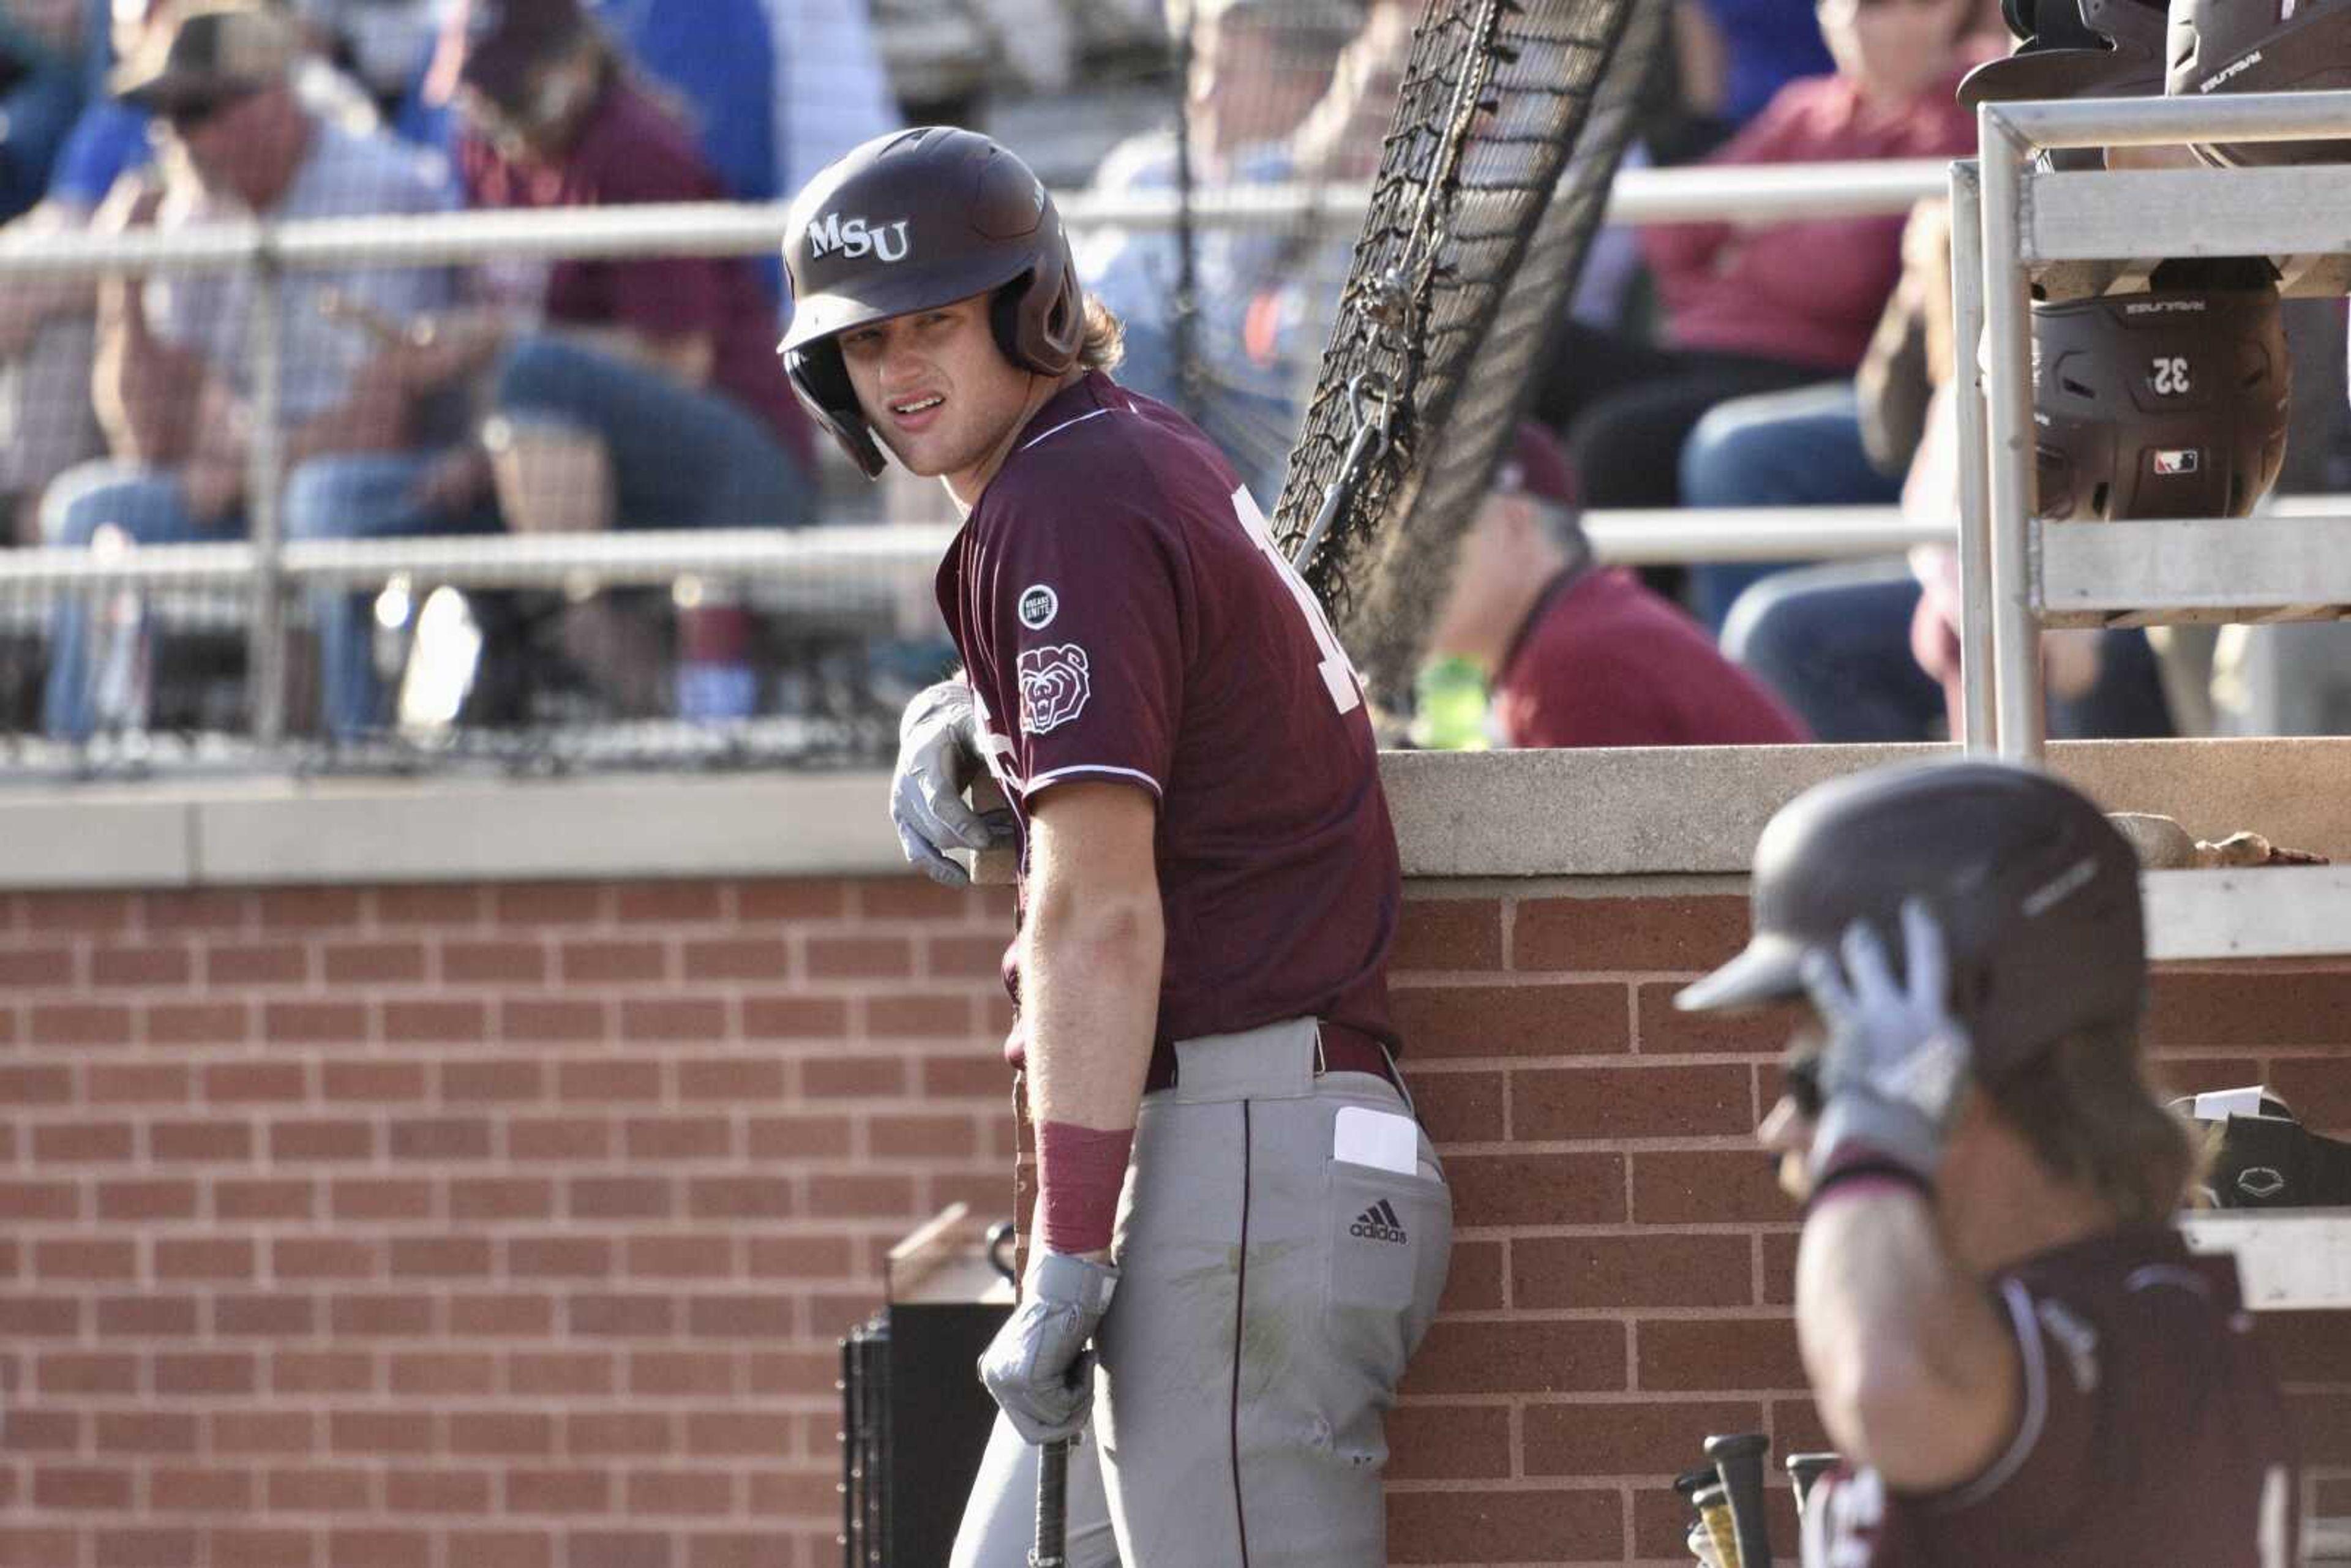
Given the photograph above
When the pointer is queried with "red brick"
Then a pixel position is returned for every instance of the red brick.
(860, 957)
(1667, 1032)
(502, 1078)
(1710, 1188)
(950, 958)
(608, 1080)
(79, 1487)
(1546, 1356)
(564, 1374)
(440, 1257)
(145, 966)
(427, 1373)
(847, 1077)
(326, 1257)
(380, 1549)
(1449, 1021)
(31, 1547)
(363, 1198)
(553, 1022)
(275, 1317)
(978, 1073)
(1449, 1442)
(738, 959)
(51, 913)
(1780, 1268)
(798, 1137)
(256, 964)
(145, 1432)
(44, 1085)
(196, 909)
(138, 1084)
(78, 1258)
(633, 1432)
(742, 1198)
(791, 899)
(750, 1434)
(371, 1083)
(1710, 1355)
(209, 1374)
(188, 1489)
(794, 1017)
(263, 1432)
(69, 1373)
(503, 1315)
(310, 908)
(1631, 1103)
(239, 1082)
(1474, 1281)
(668, 1138)
(166, 1199)
(2214, 1007)
(1517, 1526)
(670, 1373)
(373, 963)
(380, 1316)
(306, 1141)
(2318, 1088)
(440, 1138)
(612, 963)
(501, 1548)
(917, 1017)
(802, 1258)
(620, 1198)
(475, 1200)
(262, 1547)
(558, 1492)
(493, 963)
(437, 1492)
(1686, 935)
(671, 1493)
(197, 1023)
(922, 1137)
(673, 1017)
(39, 1201)
(381, 1432)
(670, 903)
(435, 1022)
(82, 1143)
(1644, 1437)
(42, 1432)
(559, 1256)
(1536, 1189)
(511, 1434)
(263, 1199)
(1459, 1107)
(737, 1078)
(1449, 934)
(911, 897)
(729, 1550)
(764, 1317)
(76, 1023)
(314, 1023)
(638, 1316)
(206, 1258)
(559, 1138)
(547, 903)
(443, 907)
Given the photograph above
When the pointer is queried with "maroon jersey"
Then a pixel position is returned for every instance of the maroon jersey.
(1602, 661)
(2152, 1432)
(1123, 615)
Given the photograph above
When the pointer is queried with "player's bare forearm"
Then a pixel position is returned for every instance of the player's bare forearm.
(1092, 947)
(145, 391)
(1912, 1366)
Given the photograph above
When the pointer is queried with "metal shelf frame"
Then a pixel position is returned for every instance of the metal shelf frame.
(2016, 224)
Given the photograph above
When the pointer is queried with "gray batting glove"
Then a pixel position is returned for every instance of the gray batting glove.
(1039, 1367)
(938, 754)
(1897, 1063)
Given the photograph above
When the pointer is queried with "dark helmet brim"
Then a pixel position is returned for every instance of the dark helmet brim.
(1768, 969)
(2059, 73)
(877, 297)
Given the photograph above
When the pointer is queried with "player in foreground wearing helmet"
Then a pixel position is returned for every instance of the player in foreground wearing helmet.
(1236, 1213)
(2016, 1353)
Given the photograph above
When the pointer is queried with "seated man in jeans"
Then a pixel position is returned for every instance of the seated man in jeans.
(173, 385)
(651, 396)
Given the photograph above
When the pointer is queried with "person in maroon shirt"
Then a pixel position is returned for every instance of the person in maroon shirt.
(1578, 654)
(2012, 1349)
(1208, 891)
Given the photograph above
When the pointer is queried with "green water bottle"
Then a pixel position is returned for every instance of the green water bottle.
(1450, 706)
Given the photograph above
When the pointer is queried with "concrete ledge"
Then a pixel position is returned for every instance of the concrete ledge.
(1484, 815)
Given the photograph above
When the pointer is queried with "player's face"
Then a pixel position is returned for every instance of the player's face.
(1788, 1127)
(938, 391)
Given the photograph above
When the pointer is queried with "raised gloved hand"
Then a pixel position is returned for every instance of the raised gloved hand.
(1897, 1063)
(1039, 1367)
(938, 753)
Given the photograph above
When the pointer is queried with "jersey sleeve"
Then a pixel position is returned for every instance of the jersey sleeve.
(1089, 618)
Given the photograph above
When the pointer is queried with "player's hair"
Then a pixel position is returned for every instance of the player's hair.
(1104, 344)
(2085, 1108)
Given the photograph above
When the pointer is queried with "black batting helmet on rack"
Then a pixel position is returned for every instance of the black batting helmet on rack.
(2167, 404)
(2260, 45)
(2074, 48)
(909, 221)
(2037, 894)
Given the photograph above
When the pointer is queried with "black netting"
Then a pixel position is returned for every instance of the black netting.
(1509, 126)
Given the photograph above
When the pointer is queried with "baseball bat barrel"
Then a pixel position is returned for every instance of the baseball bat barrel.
(1739, 1459)
(1051, 1550)
(1714, 1513)
(1804, 1469)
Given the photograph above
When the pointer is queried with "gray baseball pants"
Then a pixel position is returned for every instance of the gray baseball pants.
(1269, 1298)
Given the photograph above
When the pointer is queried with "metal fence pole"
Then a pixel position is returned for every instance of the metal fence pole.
(2008, 372)
(264, 486)
(1978, 712)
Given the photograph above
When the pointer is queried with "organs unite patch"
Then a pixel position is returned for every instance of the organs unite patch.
(1053, 686)
(1039, 605)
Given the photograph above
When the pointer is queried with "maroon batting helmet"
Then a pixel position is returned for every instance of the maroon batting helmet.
(909, 221)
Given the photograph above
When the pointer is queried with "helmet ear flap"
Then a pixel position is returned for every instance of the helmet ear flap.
(822, 380)
(1040, 317)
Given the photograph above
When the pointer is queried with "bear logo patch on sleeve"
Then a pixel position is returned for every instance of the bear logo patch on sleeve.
(1053, 686)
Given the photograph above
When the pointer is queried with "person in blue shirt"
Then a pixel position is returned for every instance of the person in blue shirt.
(40, 94)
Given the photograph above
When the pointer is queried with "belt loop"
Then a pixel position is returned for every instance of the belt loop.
(1322, 1063)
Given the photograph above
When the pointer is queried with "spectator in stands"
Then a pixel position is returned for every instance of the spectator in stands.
(945, 57)
(831, 92)
(40, 95)
(1751, 307)
(1731, 58)
(650, 396)
(173, 380)
(1578, 654)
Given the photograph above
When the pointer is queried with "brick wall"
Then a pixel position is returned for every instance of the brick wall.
(480, 1227)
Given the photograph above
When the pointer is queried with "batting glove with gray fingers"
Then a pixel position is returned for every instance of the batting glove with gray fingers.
(938, 754)
(1039, 1367)
(1896, 1063)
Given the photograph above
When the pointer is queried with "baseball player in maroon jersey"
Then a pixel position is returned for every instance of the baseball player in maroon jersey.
(1241, 1232)
(2010, 1343)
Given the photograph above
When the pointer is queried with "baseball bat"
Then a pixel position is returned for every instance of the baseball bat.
(1714, 1513)
(1804, 1469)
(1739, 1459)
(1051, 1550)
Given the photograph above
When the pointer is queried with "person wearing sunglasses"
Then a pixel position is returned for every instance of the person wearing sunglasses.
(2007, 1340)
